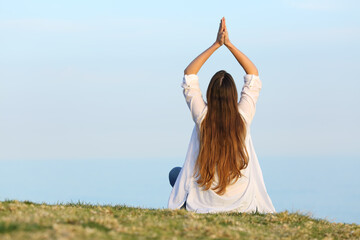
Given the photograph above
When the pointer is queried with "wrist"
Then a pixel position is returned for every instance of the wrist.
(216, 45)
(228, 44)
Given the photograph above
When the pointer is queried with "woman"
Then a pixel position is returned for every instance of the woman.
(221, 172)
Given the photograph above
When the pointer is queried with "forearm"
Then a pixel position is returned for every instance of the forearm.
(197, 63)
(243, 60)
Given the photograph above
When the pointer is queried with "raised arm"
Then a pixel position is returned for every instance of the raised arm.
(197, 63)
(243, 60)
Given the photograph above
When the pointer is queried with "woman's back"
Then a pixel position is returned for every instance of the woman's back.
(248, 193)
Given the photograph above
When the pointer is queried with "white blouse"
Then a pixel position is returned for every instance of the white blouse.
(248, 194)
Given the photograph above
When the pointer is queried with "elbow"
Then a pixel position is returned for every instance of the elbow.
(189, 72)
(186, 72)
(253, 72)
(256, 72)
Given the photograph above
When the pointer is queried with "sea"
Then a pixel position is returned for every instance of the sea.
(322, 187)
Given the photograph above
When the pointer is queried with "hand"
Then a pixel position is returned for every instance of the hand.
(226, 35)
(221, 33)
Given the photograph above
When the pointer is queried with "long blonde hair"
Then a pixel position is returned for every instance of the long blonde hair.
(222, 136)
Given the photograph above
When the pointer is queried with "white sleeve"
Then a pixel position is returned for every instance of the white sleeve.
(249, 96)
(193, 96)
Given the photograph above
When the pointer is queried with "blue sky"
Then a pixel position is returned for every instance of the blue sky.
(101, 79)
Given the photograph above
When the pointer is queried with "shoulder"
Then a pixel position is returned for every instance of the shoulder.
(202, 116)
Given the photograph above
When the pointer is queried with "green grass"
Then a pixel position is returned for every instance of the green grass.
(27, 220)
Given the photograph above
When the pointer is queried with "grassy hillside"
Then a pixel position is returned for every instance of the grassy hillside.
(27, 220)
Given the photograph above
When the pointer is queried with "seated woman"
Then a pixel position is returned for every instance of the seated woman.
(221, 171)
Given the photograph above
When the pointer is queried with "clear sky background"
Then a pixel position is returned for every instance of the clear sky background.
(91, 89)
(101, 79)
